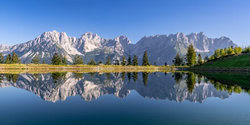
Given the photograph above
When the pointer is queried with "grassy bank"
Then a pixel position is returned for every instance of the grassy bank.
(43, 68)
(239, 63)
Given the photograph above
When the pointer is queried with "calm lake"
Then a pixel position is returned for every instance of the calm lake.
(124, 98)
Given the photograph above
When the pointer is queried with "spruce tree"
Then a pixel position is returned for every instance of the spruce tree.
(35, 60)
(44, 61)
(78, 60)
(64, 60)
(191, 55)
(135, 61)
(56, 59)
(8, 59)
(92, 62)
(123, 60)
(15, 59)
(129, 60)
(200, 61)
(108, 62)
(178, 60)
(145, 61)
(1, 58)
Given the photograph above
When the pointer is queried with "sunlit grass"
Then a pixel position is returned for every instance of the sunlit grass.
(45, 68)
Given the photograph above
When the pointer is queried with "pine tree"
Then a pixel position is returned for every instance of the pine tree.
(92, 62)
(108, 62)
(135, 61)
(56, 59)
(35, 60)
(145, 61)
(44, 61)
(200, 61)
(1, 58)
(191, 55)
(178, 60)
(8, 59)
(15, 59)
(123, 60)
(78, 60)
(129, 60)
(64, 60)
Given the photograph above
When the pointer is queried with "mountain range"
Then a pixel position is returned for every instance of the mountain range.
(160, 48)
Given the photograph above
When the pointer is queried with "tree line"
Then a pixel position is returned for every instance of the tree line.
(10, 59)
(59, 59)
(192, 59)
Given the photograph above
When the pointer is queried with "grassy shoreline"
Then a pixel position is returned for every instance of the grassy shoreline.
(43, 68)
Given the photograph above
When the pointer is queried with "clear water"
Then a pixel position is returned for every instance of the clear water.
(120, 99)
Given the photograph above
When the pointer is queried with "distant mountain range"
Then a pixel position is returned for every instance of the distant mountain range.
(160, 48)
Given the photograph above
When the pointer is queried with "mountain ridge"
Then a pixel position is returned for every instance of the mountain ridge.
(92, 46)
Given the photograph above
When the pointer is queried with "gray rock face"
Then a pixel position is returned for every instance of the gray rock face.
(161, 48)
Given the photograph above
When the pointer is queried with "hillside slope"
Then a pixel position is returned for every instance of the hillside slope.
(240, 61)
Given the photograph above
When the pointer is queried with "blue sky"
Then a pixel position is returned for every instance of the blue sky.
(23, 20)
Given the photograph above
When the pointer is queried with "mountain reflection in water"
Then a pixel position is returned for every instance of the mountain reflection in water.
(177, 86)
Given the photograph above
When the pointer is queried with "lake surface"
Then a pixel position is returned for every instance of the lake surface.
(122, 99)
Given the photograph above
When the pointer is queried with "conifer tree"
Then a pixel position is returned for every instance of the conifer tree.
(64, 60)
(1, 58)
(78, 60)
(129, 60)
(237, 50)
(200, 61)
(135, 61)
(44, 61)
(178, 60)
(35, 60)
(145, 61)
(108, 62)
(56, 59)
(217, 53)
(230, 51)
(123, 60)
(191, 55)
(222, 52)
(8, 59)
(92, 62)
(14, 58)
